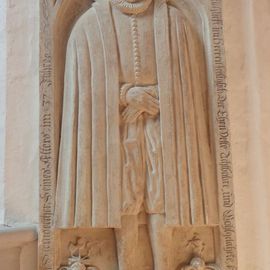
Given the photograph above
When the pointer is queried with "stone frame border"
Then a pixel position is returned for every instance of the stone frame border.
(47, 164)
(228, 248)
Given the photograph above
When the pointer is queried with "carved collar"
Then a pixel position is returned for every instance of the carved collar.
(131, 8)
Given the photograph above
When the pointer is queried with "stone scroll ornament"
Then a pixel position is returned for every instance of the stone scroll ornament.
(81, 253)
(133, 123)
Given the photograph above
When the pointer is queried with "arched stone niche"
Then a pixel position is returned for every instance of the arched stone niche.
(193, 247)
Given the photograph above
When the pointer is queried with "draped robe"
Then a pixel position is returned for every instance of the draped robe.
(90, 166)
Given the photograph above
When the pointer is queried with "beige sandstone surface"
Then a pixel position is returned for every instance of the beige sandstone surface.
(246, 41)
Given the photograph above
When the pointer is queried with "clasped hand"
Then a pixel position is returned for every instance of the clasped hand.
(140, 100)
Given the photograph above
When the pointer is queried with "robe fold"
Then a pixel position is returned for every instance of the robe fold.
(89, 182)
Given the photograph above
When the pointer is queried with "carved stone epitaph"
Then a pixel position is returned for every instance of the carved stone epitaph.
(224, 159)
(135, 160)
(47, 159)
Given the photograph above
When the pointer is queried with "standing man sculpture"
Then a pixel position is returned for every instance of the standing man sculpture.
(135, 129)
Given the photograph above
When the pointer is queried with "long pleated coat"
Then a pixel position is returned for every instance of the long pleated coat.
(90, 167)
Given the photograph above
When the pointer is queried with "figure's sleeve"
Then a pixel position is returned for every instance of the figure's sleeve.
(68, 142)
(200, 158)
(198, 65)
(74, 175)
(196, 58)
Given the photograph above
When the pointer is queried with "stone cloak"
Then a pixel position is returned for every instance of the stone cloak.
(89, 170)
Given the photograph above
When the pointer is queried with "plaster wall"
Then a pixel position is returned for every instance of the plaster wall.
(247, 32)
(2, 102)
(22, 112)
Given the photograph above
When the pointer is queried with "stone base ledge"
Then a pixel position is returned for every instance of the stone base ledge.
(17, 236)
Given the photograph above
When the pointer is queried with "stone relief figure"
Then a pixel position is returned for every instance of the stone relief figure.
(135, 137)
